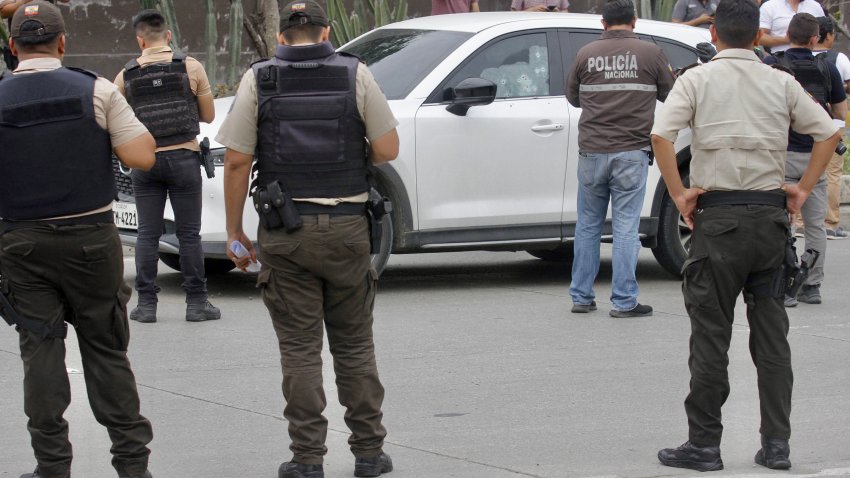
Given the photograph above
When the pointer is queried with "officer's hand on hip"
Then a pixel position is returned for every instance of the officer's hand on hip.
(795, 197)
(686, 203)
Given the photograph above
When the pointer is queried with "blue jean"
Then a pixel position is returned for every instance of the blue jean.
(620, 177)
(176, 175)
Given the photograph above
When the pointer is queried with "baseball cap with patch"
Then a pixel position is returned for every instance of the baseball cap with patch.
(44, 13)
(300, 12)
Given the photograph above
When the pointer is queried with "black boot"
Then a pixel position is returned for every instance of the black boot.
(774, 453)
(694, 457)
(199, 312)
(373, 466)
(144, 313)
(291, 469)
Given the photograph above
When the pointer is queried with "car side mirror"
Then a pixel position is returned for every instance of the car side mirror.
(471, 92)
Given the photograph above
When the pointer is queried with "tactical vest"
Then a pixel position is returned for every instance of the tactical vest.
(56, 159)
(310, 137)
(812, 73)
(162, 98)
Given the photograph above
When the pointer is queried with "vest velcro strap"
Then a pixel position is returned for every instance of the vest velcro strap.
(775, 198)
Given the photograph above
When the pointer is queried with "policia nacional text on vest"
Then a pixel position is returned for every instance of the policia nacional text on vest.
(161, 96)
(36, 110)
(311, 138)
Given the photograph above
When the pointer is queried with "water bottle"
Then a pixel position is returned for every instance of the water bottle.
(239, 250)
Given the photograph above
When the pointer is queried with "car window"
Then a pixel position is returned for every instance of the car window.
(677, 54)
(519, 65)
(572, 42)
(400, 59)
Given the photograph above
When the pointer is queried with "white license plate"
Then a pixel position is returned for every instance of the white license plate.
(126, 216)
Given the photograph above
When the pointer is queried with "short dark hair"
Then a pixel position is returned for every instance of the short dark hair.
(737, 22)
(308, 32)
(149, 24)
(36, 43)
(826, 27)
(803, 26)
(618, 12)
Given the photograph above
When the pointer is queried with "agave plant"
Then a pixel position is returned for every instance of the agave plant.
(366, 15)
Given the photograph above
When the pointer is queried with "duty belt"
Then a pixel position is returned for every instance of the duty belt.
(341, 209)
(775, 198)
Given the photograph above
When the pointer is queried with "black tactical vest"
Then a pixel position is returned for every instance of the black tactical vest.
(812, 73)
(56, 160)
(162, 98)
(310, 134)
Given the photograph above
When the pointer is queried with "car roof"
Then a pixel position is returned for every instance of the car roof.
(478, 22)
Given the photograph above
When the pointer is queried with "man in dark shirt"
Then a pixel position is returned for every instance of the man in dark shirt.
(803, 32)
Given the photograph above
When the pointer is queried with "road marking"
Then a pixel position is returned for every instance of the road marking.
(827, 472)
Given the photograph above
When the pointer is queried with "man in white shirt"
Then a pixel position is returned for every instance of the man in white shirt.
(774, 17)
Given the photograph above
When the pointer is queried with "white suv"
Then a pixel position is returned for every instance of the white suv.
(476, 170)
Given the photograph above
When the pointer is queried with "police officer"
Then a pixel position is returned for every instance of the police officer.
(170, 93)
(738, 209)
(7, 9)
(60, 256)
(306, 114)
(823, 81)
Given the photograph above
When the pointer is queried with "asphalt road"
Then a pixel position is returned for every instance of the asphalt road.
(487, 375)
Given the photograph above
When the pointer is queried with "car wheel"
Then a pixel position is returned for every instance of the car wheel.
(211, 266)
(674, 236)
(381, 257)
(563, 253)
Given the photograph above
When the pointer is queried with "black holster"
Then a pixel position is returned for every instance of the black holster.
(276, 208)
(206, 158)
(796, 273)
(377, 208)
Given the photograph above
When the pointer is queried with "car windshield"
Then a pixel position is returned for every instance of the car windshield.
(399, 59)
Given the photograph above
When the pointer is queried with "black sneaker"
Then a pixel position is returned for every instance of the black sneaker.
(146, 474)
(291, 469)
(202, 311)
(636, 311)
(693, 457)
(145, 314)
(373, 466)
(583, 308)
(810, 294)
(774, 453)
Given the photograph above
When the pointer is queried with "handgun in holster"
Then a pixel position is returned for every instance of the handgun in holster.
(377, 208)
(206, 158)
(276, 208)
(796, 274)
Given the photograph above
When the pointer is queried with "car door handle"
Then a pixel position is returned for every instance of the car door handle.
(547, 127)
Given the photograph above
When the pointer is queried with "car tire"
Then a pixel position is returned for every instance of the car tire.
(211, 266)
(563, 253)
(674, 236)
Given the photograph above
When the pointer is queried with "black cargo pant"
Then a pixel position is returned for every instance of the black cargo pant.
(176, 175)
(321, 276)
(76, 274)
(734, 249)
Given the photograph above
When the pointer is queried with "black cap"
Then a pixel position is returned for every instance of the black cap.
(302, 12)
(45, 13)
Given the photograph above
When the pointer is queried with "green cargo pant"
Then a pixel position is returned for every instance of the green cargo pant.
(321, 276)
(75, 274)
(734, 249)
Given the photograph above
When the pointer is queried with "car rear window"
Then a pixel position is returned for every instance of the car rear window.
(399, 59)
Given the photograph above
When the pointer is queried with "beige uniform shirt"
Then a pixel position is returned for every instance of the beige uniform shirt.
(739, 111)
(111, 110)
(198, 81)
(239, 131)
